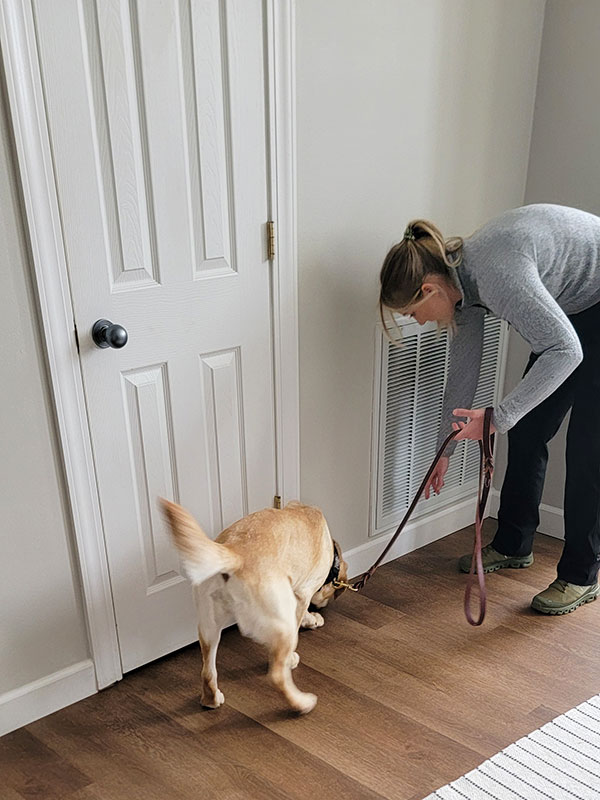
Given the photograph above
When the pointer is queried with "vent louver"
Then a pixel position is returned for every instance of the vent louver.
(408, 394)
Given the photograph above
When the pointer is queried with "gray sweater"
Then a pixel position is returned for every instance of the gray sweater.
(531, 266)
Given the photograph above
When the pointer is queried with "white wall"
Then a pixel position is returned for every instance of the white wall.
(564, 162)
(41, 623)
(404, 109)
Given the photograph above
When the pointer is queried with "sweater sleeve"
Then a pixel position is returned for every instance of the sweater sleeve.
(514, 291)
(464, 365)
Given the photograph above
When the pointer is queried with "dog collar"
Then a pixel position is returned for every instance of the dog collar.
(334, 572)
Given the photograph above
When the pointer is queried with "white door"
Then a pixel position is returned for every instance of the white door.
(156, 112)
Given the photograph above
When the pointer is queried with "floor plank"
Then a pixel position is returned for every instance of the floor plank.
(410, 697)
(362, 737)
(32, 770)
(235, 739)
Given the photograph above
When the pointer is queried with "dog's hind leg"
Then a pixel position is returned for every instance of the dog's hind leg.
(281, 653)
(211, 621)
(211, 696)
(281, 635)
(305, 619)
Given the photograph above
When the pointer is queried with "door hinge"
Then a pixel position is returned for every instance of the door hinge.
(277, 501)
(270, 240)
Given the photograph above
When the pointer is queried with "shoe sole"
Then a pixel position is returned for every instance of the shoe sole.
(503, 565)
(557, 612)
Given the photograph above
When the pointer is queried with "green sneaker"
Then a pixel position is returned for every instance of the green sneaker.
(562, 597)
(493, 560)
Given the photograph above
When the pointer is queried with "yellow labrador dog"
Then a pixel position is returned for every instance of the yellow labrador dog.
(262, 572)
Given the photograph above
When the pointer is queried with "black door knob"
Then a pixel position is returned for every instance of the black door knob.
(105, 334)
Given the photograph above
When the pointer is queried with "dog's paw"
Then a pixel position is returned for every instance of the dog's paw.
(305, 703)
(312, 620)
(294, 660)
(213, 700)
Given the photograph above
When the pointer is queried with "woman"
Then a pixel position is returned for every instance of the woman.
(538, 267)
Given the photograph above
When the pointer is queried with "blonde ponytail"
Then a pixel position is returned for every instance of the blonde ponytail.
(422, 251)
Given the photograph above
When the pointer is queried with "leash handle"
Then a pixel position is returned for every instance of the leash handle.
(486, 470)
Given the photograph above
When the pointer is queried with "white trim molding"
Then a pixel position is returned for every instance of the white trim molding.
(25, 92)
(280, 17)
(552, 519)
(17, 37)
(45, 696)
(417, 534)
(438, 525)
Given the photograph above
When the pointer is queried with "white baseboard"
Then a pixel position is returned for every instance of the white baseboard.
(436, 526)
(45, 696)
(551, 518)
(416, 534)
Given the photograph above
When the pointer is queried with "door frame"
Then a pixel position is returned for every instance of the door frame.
(43, 225)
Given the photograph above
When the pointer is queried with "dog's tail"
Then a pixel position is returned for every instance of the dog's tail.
(202, 557)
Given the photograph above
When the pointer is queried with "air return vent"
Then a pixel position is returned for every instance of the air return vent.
(408, 394)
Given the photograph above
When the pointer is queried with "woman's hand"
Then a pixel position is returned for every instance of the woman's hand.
(436, 481)
(473, 429)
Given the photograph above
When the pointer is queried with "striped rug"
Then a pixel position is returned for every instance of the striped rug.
(560, 761)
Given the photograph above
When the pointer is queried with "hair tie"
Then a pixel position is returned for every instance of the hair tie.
(408, 234)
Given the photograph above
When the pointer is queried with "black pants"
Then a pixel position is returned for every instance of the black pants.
(518, 516)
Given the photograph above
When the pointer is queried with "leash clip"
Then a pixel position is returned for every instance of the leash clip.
(338, 584)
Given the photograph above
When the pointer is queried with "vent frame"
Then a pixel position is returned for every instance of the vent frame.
(412, 424)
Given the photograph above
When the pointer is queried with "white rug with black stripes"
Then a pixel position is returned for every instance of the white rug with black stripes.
(560, 761)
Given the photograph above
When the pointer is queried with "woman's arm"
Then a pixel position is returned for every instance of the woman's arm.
(464, 365)
(516, 293)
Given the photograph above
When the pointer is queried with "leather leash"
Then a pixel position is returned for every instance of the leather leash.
(486, 469)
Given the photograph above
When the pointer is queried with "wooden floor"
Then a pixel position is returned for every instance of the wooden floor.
(410, 697)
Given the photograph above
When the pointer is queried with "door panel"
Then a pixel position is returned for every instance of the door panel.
(156, 113)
